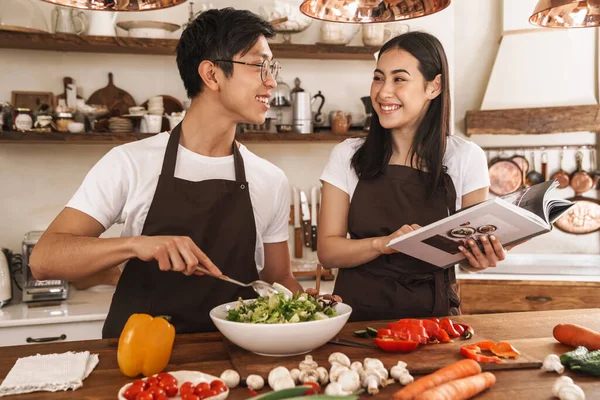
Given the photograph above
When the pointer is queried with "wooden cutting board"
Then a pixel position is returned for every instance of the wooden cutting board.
(424, 360)
(117, 100)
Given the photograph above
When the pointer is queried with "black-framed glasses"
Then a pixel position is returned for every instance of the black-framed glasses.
(265, 67)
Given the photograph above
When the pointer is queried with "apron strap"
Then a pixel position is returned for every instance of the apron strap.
(240, 171)
(170, 160)
(450, 192)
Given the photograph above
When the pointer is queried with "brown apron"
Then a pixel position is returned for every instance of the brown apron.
(217, 215)
(397, 285)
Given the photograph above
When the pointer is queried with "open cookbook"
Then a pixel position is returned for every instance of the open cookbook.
(512, 218)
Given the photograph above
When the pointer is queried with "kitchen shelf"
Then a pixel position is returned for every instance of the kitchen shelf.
(128, 45)
(112, 138)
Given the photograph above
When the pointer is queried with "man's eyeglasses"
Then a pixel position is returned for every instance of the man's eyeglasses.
(265, 67)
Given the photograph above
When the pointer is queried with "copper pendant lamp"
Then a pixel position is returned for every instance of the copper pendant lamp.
(566, 14)
(371, 11)
(117, 5)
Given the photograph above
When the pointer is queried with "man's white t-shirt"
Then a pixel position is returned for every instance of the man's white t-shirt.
(120, 187)
(466, 163)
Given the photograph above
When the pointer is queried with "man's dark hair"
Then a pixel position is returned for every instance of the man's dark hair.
(217, 34)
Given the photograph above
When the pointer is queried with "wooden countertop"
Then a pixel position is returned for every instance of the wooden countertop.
(206, 353)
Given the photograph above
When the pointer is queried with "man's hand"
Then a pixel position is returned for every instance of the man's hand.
(173, 253)
(381, 243)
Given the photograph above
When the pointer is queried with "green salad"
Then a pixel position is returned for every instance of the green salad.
(277, 309)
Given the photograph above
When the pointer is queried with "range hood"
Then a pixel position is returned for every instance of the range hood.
(541, 74)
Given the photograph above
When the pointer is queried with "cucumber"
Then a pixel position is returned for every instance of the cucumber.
(582, 360)
(372, 332)
(361, 333)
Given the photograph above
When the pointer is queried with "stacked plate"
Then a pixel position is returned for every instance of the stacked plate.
(156, 105)
(120, 125)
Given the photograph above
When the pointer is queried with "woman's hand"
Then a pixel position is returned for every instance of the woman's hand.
(492, 255)
(380, 243)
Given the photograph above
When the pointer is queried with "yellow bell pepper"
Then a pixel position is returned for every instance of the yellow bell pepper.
(145, 345)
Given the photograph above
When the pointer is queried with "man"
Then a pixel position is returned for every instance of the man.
(188, 198)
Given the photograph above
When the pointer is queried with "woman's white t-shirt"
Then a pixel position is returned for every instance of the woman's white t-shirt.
(466, 163)
(120, 187)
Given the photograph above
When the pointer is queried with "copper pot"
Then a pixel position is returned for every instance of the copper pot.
(561, 175)
(522, 162)
(581, 181)
(505, 176)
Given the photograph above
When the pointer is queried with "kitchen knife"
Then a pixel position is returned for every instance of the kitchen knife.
(305, 218)
(297, 226)
(313, 222)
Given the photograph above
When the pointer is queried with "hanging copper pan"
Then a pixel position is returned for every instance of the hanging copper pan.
(505, 176)
(522, 162)
(561, 175)
(584, 217)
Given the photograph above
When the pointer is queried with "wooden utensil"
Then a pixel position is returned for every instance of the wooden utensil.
(534, 177)
(561, 175)
(117, 100)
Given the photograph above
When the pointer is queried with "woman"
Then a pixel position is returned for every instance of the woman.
(407, 173)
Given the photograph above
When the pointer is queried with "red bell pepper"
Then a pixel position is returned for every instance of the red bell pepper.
(405, 333)
(486, 345)
(458, 328)
(446, 324)
(473, 352)
(432, 329)
(468, 332)
(395, 345)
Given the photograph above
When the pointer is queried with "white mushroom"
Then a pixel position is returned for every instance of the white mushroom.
(308, 363)
(373, 363)
(401, 374)
(336, 371)
(349, 380)
(565, 389)
(285, 382)
(276, 374)
(371, 383)
(295, 373)
(339, 358)
(370, 375)
(309, 375)
(231, 378)
(323, 375)
(255, 382)
(356, 366)
(335, 389)
(552, 363)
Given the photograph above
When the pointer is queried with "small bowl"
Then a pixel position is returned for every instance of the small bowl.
(137, 110)
(75, 127)
(283, 128)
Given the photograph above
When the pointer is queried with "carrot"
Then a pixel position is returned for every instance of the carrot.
(576, 335)
(460, 369)
(460, 389)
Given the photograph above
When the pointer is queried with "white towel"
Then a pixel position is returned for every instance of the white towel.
(50, 373)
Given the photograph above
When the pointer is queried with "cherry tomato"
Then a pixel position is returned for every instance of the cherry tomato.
(201, 387)
(132, 392)
(205, 394)
(190, 396)
(157, 391)
(152, 381)
(164, 375)
(171, 389)
(218, 386)
(186, 388)
(145, 395)
(142, 383)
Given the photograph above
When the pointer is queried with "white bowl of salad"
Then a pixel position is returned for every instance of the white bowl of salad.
(280, 325)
